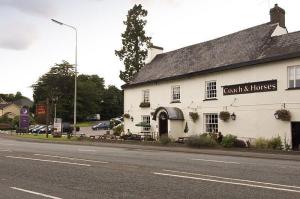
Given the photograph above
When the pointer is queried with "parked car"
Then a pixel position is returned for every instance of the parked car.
(33, 127)
(101, 126)
(37, 129)
(43, 130)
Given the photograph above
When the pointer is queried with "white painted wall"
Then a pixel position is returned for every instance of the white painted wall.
(255, 111)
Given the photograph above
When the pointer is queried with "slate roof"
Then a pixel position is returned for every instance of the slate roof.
(24, 102)
(247, 47)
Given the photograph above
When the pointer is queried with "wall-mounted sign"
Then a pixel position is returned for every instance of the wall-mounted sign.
(253, 87)
(24, 118)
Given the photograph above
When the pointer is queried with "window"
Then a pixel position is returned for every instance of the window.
(146, 94)
(294, 77)
(175, 93)
(210, 90)
(211, 123)
(146, 120)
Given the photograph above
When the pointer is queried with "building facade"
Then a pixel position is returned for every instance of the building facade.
(249, 75)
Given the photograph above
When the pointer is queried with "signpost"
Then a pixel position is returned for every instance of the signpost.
(57, 127)
(24, 119)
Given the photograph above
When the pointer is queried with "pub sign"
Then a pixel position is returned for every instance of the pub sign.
(253, 87)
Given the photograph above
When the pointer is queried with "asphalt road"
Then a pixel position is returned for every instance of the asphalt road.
(42, 170)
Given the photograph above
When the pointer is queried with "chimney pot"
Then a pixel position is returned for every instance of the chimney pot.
(277, 15)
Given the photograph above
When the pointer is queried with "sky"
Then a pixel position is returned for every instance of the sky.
(30, 43)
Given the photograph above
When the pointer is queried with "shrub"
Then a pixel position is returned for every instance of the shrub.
(275, 143)
(261, 143)
(164, 140)
(199, 141)
(194, 116)
(228, 141)
(118, 129)
(145, 104)
(224, 115)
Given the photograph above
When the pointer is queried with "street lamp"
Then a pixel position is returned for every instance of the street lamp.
(75, 90)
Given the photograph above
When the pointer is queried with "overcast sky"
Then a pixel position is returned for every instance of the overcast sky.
(30, 43)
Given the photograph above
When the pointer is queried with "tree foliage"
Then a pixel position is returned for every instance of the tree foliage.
(92, 96)
(10, 97)
(134, 43)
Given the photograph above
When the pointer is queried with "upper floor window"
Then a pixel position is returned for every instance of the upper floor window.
(146, 96)
(294, 76)
(146, 120)
(175, 93)
(210, 90)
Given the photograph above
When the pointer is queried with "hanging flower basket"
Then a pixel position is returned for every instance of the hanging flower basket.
(145, 104)
(194, 116)
(283, 115)
(126, 115)
(224, 115)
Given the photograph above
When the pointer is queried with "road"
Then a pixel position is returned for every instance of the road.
(44, 170)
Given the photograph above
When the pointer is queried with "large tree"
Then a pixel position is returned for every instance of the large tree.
(58, 84)
(134, 43)
(112, 103)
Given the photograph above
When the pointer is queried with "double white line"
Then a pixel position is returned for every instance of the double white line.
(233, 181)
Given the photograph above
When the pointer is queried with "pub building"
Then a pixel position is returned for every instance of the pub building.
(252, 75)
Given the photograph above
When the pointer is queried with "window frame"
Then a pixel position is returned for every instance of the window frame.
(175, 94)
(207, 92)
(148, 121)
(143, 95)
(211, 123)
(294, 69)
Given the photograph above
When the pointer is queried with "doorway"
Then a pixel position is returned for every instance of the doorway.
(296, 135)
(163, 124)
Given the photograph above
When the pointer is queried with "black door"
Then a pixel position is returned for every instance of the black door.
(296, 135)
(163, 124)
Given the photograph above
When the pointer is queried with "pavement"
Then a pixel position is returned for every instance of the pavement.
(45, 170)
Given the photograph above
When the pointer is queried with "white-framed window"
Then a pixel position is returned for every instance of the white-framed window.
(210, 90)
(211, 122)
(175, 93)
(146, 96)
(146, 119)
(294, 77)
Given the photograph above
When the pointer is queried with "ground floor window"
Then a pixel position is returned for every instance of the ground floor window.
(146, 119)
(211, 122)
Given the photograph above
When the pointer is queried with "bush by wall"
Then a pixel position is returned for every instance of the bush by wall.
(229, 141)
(118, 129)
(273, 143)
(164, 140)
(199, 141)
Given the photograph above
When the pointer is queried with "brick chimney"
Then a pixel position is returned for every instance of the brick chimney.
(277, 15)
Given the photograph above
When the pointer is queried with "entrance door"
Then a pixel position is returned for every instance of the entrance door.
(296, 135)
(163, 124)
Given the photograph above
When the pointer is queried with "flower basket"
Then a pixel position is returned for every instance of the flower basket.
(145, 104)
(126, 115)
(283, 115)
(224, 115)
(194, 116)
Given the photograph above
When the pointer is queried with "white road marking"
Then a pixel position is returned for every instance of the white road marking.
(43, 160)
(234, 179)
(8, 150)
(227, 182)
(87, 150)
(35, 193)
(85, 160)
(219, 161)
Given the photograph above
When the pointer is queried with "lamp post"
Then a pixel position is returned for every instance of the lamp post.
(75, 89)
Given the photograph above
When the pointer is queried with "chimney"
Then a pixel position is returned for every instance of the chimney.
(277, 15)
(152, 52)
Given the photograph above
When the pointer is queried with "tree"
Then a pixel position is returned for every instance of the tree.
(135, 43)
(112, 103)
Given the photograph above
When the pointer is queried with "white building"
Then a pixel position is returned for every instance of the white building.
(250, 74)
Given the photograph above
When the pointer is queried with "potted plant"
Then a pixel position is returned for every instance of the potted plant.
(224, 115)
(283, 115)
(145, 104)
(194, 116)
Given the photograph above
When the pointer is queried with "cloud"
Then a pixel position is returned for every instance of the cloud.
(43, 8)
(18, 36)
(152, 2)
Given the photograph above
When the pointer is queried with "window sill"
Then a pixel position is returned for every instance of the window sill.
(296, 88)
(174, 102)
(212, 99)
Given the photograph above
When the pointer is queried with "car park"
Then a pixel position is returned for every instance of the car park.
(101, 126)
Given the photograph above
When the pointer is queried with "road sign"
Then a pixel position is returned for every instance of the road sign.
(24, 118)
